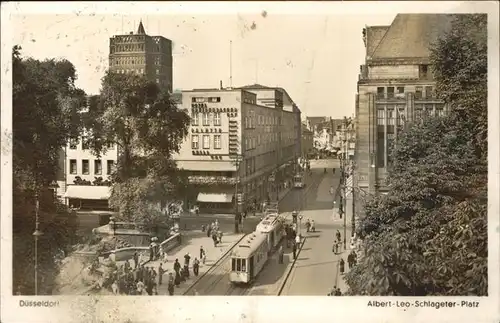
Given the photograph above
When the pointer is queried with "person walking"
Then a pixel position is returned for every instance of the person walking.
(196, 266)
(339, 236)
(170, 284)
(349, 261)
(280, 254)
(136, 260)
(202, 252)
(161, 271)
(341, 266)
(294, 250)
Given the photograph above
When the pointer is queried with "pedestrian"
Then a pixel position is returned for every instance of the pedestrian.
(338, 292)
(136, 260)
(214, 238)
(294, 251)
(281, 254)
(196, 266)
(202, 252)
(336, 247)
(341, 266)
(349, 261)
(297, 240)
(187, 257)
(161, 271)
(114, 287)
(170, 284)
(209, 230)
(339, 236)
(204, 259)
(186, 271)
(151, 251)
(220, 236)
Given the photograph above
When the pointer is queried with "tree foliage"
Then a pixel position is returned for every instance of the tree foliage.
(46, 105)
(148, 128)
(428, 236)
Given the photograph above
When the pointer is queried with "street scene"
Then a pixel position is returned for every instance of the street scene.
(175, 156)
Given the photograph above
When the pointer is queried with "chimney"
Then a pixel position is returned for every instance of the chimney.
(220, 84)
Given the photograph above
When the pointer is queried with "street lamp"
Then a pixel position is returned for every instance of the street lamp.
(36, 234)
(300, 226)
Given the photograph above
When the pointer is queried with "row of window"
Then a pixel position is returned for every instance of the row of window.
(421, 111)
(73, 144)
(399, 91)
(239, 264)
(195, 141)
(128, 61)
(85, 168)
(207, 119)
(129, 39)
(215, 99)
(251, 121)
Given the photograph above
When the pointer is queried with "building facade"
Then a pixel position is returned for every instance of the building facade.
(143, 54)
(240, 148)
(307, 141)
(395, 87)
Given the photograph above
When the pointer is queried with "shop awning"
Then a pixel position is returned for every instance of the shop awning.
(215, 197)
(88, 192)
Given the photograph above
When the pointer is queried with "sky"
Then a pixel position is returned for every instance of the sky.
(313, 53)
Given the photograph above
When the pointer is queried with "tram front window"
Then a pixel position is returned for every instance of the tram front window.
(233, 266)
(238, 264)
(243, 264)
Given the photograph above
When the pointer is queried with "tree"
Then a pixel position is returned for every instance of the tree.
(148, 129)
(428, 236)
(46, 105)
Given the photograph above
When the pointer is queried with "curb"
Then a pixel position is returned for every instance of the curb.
(214, 265)
(280, 290)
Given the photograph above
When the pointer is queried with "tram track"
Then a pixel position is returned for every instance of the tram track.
(215, 281)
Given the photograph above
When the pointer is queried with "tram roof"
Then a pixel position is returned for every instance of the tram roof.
(268, 223)
(249, 244)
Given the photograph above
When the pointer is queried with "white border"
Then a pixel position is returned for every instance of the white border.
(247, 309)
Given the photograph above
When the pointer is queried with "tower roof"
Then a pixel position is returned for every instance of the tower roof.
(140, 30)
(410, 35)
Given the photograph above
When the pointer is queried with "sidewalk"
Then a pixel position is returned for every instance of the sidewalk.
(191, 243)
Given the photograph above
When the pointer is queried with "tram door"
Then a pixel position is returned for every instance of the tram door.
(250, 268)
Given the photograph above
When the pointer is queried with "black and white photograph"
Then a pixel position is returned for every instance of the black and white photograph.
(340, 151)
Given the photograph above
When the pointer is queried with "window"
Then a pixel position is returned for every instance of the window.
(85, 143)
(110, 146)
(390, 117)
(157, 81)
(418, 114)
(72, 167)
(206, 119)
(97, 167)
(380, 117)
(217, 142)
(142, 71)
(157, 71)
(423, 71)
(194, 142)
(428, 92)
(217, 119)
(401, 116)
(243, 265)
(390, 92)
(73, 143)
(418, 92)
(381, 149)
(214, 99)
(85, 167)
(400, 89)
(195, 119)
(440, 111)
(206, 142)
(233, 264)
(110, 167)
(380, 93)
(238, 264)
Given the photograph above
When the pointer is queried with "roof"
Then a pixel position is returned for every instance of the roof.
(410, 35)
(140, 30)
(264, 87)
(374, 35)
(249, 244)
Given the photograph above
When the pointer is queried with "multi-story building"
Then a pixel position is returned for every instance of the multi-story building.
(241, 146)
(395, 87)
(307, 141)
(86, 177)
(143, 54)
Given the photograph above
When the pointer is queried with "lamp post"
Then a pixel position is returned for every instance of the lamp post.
(238, 196)
(300, 226)
(36, 235)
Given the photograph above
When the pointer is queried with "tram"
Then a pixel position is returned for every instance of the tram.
(273, 227)
(248, 258)
(298, 181)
